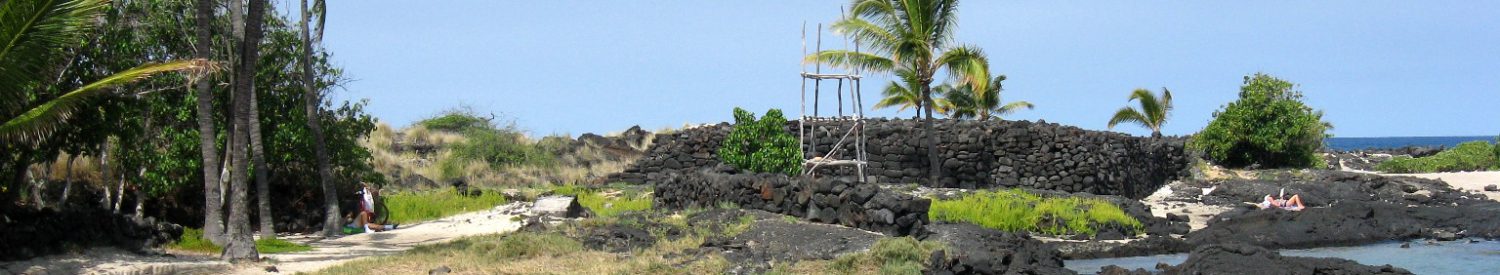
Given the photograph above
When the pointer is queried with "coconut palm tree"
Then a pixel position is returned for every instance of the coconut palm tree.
(915, 37)
(963, 101)
(1152, 114)
(901, 95)
(36, 34)
(311, 99)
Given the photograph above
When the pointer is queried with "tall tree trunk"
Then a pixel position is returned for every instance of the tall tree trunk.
(119, 195)
(258, 156)
(36, 188)
(104, 173)
(213, 204)
(67, 182)
(241, 245)
(934, 171)
(331, 220)
(140, 198)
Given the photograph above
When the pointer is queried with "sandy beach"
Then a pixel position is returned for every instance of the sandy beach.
(1467, 181)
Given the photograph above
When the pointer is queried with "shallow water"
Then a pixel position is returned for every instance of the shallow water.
(1457, 257)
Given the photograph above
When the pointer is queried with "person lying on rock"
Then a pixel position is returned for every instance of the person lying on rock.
(367, 210)
(1294, 203)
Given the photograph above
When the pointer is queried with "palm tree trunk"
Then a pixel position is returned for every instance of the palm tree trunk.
(331, 218)
(258, 155)
(67, 181)
(213, 206)
(104, 173)
(241, 245)
(934, 170)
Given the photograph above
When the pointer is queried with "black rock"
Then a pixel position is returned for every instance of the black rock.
(441, 270)
(1491, 188)
(1240, 258)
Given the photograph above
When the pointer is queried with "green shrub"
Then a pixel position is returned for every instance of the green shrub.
(761, 145)
(1015, 210)
(407, 207)
(1468, 156)
(901, 255)
(501, 148)
(457, 120)
(1496, 149)
(1268, 126)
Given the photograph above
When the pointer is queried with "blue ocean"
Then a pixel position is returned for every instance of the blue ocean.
(1358, 143)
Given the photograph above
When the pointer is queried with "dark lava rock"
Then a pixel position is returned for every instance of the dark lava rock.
(976, 250)
(1322, 188)
(26, 233)
(1153, 245)
(1348, 223)
(770, 239)
(441, 270)
(1491, 188)
(1242, 259)
(615, 238)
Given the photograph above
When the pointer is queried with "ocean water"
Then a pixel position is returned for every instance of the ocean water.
(1357, 143)
(1456, 257)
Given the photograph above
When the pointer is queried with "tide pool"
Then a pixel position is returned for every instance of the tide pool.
(1456, 257)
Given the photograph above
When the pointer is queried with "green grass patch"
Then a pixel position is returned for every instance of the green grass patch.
(1468, 156)
(903, 255)
(1015, 210)
(607, 205)
(192, 240)
(416, 206)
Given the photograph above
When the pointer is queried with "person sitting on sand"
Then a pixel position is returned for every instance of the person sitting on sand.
(1294, 203)
(367, 210)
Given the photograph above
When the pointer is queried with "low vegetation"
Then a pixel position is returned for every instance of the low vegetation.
(1015, 210)
(416, 206)
(608, 204)
(896, 255)
(192, 240)
(761, 145)
(1268, 127)
(1468, 156)
(552, 252)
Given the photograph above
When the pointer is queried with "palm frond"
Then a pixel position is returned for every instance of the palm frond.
(35, 124)
(1127, 114)
(899, 96)
(846, 58)
(967, 65)
(871, 35)
(33, 34)
(1012, 107)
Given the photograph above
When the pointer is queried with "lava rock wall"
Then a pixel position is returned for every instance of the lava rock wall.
(973, 154)
(827, 200)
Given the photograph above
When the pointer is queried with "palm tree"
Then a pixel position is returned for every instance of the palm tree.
(1152, 114)
(239, 244)
(899, 94)
(331, 222)
(36, 33)
(963, 101)
(911, 37)
(213, 210)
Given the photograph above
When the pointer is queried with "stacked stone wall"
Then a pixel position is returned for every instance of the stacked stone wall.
(973, 154)
(828, 200)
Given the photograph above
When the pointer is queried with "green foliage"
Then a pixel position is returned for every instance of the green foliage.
(408, 207)
(965, 102)
(1015, 210)
(629, 200)
(761, 145)
(1268, 126)
(1152, 114)
(192, 240)
(497, 145)
(1468, 156)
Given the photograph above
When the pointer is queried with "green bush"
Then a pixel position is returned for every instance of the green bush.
(500, 148)
(1268, 126)
(457, 120)
(1468, 156)
(1015, 210)
(761, 145)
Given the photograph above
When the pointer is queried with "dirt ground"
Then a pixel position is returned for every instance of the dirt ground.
(325, 253)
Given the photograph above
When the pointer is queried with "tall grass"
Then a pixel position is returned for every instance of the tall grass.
(1015, 210)
(1468, 156)
(416, 206)
(607, 205)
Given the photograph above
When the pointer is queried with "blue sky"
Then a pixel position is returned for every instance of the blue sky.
(1377, 68)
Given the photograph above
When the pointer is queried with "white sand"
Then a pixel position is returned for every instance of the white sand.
(1470, 181)
(325, 253)
(1198, 213)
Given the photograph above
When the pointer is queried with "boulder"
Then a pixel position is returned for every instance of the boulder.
(557, 207)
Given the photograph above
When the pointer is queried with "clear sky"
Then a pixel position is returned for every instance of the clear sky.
(1377, 68)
